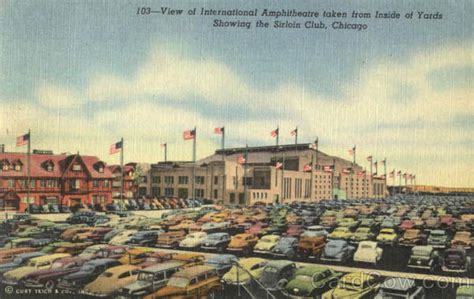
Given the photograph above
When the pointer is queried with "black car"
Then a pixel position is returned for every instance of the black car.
(424, 257)
(455, 260)
(88, 273)
(144, 238)
(64, 209)
(216, 242)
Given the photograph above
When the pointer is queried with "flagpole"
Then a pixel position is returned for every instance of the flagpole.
(28, 170)
(333, 170)
(296, 137)
(352, 171)
(278, 136)
(223, 164)
(194, 164)
(385, 173)
(244, 180)
(283, 177)
(313, 164)
(123, 174)
(166, 152)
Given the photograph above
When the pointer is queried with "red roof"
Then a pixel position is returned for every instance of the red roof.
(60, 163)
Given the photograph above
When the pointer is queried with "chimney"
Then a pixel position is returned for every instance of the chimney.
(2, 148)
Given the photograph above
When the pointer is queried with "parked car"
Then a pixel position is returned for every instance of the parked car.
(438, 238)
(341, 232)
(7, 255)
(276, 274)
(387, 236)
(286, 247)
(465, 292)
(48, 278)
(355, 285)
(19, 260)
(150, 279)
(216, 242)
(403, 288)
(463, 239)
(337, 251)
(182, 284)
(193, 240)
(223, 262)
(455, 260)
(362, 234)
(242, 243)
(170, 239)
(310, 247)
(315, 231)
(246, 268)
(110, 281)
(368, 252)
(135, 255)
(424, 257)
(144, 237)
(311, 282)
(123, 237)
(412, 237)
(88, 273)
(266, 244)
(16, 275)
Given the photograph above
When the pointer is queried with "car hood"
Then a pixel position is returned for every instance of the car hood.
(264, 246)
(346, 293)
(238, 243)
(167, 291)
(232, 275)
(299, 287)
(210, 242)
(282, 248)
(103, 286)
(137, 285)
(19, 273)
(332, 251)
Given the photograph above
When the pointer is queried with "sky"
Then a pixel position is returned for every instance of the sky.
(83, 74)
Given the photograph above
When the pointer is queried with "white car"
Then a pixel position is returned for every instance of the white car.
(368, 252)
(193, 240)
(315, 231)
(122, 237)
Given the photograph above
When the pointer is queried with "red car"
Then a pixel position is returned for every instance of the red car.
(258, 229)
(294, 230)
(407, 224)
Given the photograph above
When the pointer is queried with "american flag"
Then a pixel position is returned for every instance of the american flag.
(346, 171)
(307, 167)
(115, 148)
(294, 132)
(361, 173)
(163, 145)
(369, 158)
(399, 173)
(187, 135)
(327, 168)
(242, 160)
(23, 139)
(278, 165)
(274, 133)
(218, 130)
(405, 175)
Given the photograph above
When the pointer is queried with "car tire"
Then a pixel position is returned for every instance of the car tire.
(281, 284)
(213, 294)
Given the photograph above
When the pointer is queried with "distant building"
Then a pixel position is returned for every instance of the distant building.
(54, 179)
(221, 177)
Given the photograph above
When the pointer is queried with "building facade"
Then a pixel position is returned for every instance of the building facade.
(270, 175)
(54, 179)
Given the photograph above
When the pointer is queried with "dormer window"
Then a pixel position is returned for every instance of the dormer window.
(76, 167)
(17, 167)
(5, 165)
(101, 169)
(99, 166)
(49, 167)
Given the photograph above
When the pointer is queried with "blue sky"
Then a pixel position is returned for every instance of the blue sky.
(83, 74)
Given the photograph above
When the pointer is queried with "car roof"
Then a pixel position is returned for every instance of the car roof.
(101, 261)
(310, 270)
(30, 254)
(163, 266)
(50, 257)
(217, 234)
(122, 268)
(398, 283)
(251, 261)
(279, 264)
(195, 270)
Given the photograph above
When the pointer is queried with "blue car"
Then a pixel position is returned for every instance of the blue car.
(286, 248)
(222, 262)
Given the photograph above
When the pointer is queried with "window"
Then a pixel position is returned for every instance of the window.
(182, 180)
(169, 180)
(43, 183)
(155, 191)
(169, 191)
(124, 275)
(199, 193)
(216, 180)
(76, 167)
(200, 180)
(155, 179)
(241, 199)
(247, 181)
(232, 198)
(17, 167)
(215, 193)
(101, 169)
(95, 183)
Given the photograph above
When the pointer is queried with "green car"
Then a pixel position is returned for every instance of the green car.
(311, 282)
(355, 285)
(465, 292)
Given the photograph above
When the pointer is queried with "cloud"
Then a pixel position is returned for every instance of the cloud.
(389, 109)
(55, 96)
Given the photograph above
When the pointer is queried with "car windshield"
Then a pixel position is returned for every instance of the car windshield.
(366, 246)
(333, 245)
(146, 276)
(57, 265)
(87, 268)
(265, 240)
(437, 233)
(178, 282)
(88, 251)
(384, 232)
(286, 241)
(32, 264)
(214, 237)
(410, 233)
(191, 237)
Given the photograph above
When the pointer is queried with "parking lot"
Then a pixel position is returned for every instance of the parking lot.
(422, 241)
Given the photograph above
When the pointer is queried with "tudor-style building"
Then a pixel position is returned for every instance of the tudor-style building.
(54, 179)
